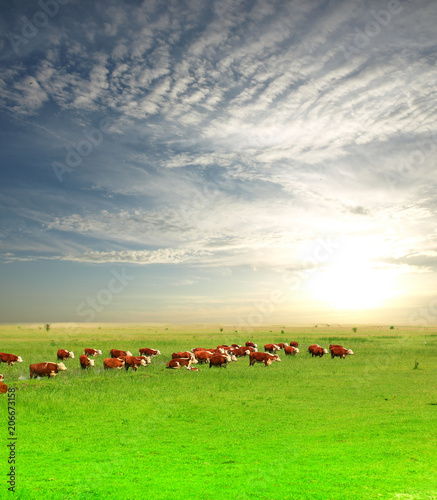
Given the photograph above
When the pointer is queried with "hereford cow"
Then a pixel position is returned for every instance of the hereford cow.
(85, 361)
(340, 352)
(134, 362)
(64, 354)
(290, 350)
(335, 345)
(318, 351)
(294, 344)
(183, 354)
(149, 352)
(282, 344)
(92, 352)
(113, 363)
(147, 359)
(263, 357)
(3, 386)
(46, 369)
(251, 344)
(272, 348)
(219, 360)
(115, 353)
(203, 356)
(239, 353)
(179, 363)
(10, 359)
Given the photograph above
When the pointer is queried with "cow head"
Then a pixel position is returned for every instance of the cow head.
(1, 377)
(19, 360)
(296, 350)
(91, 361)
(233, 357)
(98, 352)
(276, 358)
(350, 351)
(143, 362)
(325, 351)
(128, 353)
(61, 367)
(193, 361)
(71, 354)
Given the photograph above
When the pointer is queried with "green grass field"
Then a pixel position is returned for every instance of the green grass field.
(305, 428)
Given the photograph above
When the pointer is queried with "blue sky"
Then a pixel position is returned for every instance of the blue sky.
(230, 161)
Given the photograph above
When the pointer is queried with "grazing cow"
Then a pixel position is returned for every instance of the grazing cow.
(179, 363)
(251, 349)
(272, 348)
(294, 344)
(219, 360)
(251, 344)
(239, 353)
(263, 357)
(149, 352)
(340, 352)
(335, 345)
(85, 361)
(147, 359)
(46, 369)
(10, 359)
(282, 344)
(203, 356)
(110, 363)
(183, 354)
(318, 352)
(134, 362)
(92, 352)
(3, 386)
(291, 350)
(115, 353)
(64, 354)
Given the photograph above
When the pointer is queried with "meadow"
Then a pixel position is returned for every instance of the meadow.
(305, 428)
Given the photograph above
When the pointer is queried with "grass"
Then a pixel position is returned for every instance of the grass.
(304, 428)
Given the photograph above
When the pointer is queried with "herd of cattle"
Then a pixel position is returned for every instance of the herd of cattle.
(219, 356)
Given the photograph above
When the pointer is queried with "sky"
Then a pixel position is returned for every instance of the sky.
(244, 162)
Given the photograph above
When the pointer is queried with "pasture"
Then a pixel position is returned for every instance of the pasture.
(308, 428)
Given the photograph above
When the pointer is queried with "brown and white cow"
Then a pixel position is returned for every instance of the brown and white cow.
(147, 359)
(10, 359)
(92, 352)
(282, 344)
(203, 356)
(179, 363)
(116, 353)
(272, 348)
(147, 351)
(46, 369)
(340, 352)
(251, 344)
(183, 354)
(294, 344)
(291, 350)
(134, 362)
(263, 357)
(219, 360)
(240, 352)
(85, 361)
(318, 351)
(113, 363)
(64, 354)
(3, 386)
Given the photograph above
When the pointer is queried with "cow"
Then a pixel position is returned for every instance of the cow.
(115, 353)
(335, 345)
(263, 357)
(85, 361)
(291, 350)
(147, 359)
(219, 360)
(294, 344)
(272, 348)
(183, 354)
(64, 354)
(3, 386)
(179, 363)
(134, 362)
(239, 353)
(203, 356)
(251, 349)
(340, 352)
(251, 344)
(92, 352)
(10, 359)
(316, 350)
(110, 363)
(46, 369)
(282, 344)
(147, 351)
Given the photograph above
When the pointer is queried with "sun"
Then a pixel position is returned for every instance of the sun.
(354, 281)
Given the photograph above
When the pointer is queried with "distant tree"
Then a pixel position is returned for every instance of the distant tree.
(47, 327)
(282, 331)
(354, 329)
(221, 329)
(392, 327)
